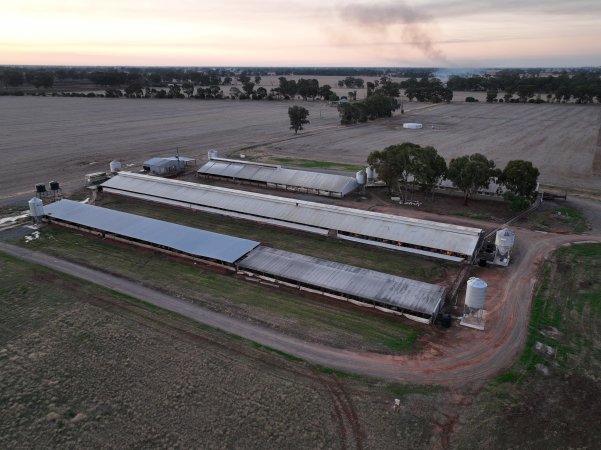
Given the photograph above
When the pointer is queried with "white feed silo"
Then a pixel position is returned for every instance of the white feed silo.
(36, 209)
(504, 240)
(475, 294)
(115, 166)
(212, 154)
(361, 177)
(473, 311)
(370, 173)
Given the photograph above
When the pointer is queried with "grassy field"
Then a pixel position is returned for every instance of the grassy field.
(82, 367)
(395, 263)
(554, 387)
(556, 217)
(311, 318)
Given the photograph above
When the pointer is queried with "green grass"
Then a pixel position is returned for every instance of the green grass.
(303, 315)
(565, 314)
(382, 260)
(401, 390)
(575, 218)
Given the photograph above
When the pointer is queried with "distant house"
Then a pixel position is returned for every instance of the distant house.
(166, 167)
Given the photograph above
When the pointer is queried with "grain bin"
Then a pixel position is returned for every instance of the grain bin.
(476, 293)
(115, 166)
(361, 177)
(504, 240)
(36, 209)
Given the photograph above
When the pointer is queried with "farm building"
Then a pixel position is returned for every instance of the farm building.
(186, 241)
(276, 177)
(170, 166)
(413, 299)
(423, 237)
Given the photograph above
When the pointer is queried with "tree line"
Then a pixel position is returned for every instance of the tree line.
(582, 86)
(408, 166)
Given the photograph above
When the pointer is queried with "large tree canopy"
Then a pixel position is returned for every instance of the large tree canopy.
(401, 162)
(471, 172)
(521, 178)
(298, 117)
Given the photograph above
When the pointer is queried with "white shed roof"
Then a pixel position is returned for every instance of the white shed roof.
(192, 241)
(423, 233)
(415, 296)
(269, 173)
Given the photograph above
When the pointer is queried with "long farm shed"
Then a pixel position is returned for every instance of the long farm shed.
(276, 177)
(206, 245)
(413, 299)
(424, 237)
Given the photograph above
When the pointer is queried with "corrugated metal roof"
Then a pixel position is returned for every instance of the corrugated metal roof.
(423, 233)
(268, 173)
(367, 284)
(193, 241)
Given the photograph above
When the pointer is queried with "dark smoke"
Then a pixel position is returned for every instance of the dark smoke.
(414, 24)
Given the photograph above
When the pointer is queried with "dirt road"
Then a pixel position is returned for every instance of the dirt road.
(468, 361)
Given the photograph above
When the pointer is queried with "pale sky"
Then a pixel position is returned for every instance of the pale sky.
(441, 33)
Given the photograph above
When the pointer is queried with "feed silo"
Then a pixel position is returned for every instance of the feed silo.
(504, 240)
(36, 209)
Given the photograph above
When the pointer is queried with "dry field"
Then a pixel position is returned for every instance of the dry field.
(82, 367)
(64, 138)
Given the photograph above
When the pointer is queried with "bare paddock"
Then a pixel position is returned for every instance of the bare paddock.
(64, 138)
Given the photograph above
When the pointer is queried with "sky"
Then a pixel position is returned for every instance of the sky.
(423, 33)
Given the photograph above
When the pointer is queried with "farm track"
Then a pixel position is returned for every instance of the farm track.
(468, 362)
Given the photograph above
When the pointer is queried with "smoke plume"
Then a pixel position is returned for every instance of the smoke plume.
(413, 22)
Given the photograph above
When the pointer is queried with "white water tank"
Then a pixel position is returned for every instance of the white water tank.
(212, 153)
(412, 126)
(36, 209)
(115, 166)
(476, 293)
(361, 177)
(504, 240)
(370, 173)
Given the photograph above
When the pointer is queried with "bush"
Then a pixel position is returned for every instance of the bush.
(471, 99)
(516, 202)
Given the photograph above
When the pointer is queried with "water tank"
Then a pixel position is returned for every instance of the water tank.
(40, 188)
(212, 153)
(504, 241)
(36, 209)
(361, 177)
(476, 293)
(412, 126)
(370, 173)
(54, 186)
(115, 166)
(375, 174)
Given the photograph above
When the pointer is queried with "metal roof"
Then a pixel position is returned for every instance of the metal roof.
(160, 161)
(193, 241)
(416, 232)
(390, 290)
(269, 173)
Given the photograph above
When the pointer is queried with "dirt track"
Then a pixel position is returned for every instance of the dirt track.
(466, 362)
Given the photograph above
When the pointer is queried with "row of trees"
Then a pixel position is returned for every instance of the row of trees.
(583, 86)
(373, 107)
(407, 165)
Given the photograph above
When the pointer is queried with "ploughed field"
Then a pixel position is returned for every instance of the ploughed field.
(44, 138)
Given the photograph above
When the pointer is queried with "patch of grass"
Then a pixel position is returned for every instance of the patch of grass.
(284, 355)
(567, 300)
(382, 260)
(475, 216)
(507, 377)
(575, 218)
(336, 372)
(304, 316)
(401, 390)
